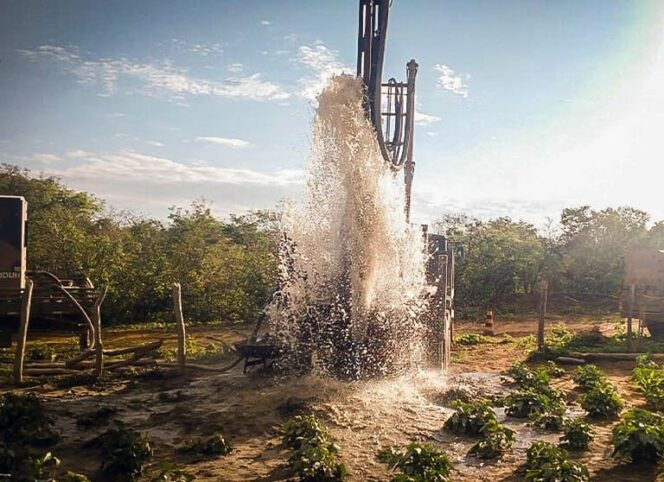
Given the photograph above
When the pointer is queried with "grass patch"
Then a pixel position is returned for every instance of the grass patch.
(471, 339)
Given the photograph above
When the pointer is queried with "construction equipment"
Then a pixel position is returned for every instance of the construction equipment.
(56, 303)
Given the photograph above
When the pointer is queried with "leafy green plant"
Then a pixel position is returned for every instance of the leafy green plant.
(547, 463)
(578, 434)
(213, 445)
(531, 403)
(649, 378)
(170, 473)
(418, 463)
(587, 376)
(602, 401)
(125, 452)
(553, 370)
(639, 437)
(40, 352)
(496, 440)
(552, 418)
(471, 339)
(24, 422)
(73, 477)
(469, 417)
(314, 455)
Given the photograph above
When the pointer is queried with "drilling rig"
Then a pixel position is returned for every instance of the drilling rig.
(390, 108)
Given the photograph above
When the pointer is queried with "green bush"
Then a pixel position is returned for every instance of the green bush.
(125, 452)
(587, 376)
(602, 401)
(649, 378)
(40, 352)
(554, 370)
(470, 339)
(639, 437)
(578, 434)
(418, 463)
(496, 440)
(168, 472)
(547, 463)
(469, 417)
(314, 455)
(24, 422)
(552, 418)
(213, 445)
(531, 403)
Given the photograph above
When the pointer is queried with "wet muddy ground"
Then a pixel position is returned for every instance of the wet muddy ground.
(362, 416)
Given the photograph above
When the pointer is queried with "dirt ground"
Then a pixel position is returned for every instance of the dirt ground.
(362, 416)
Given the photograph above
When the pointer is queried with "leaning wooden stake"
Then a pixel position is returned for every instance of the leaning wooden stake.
(179, 319)
(99, 346)
(544, 294)
(26, 301)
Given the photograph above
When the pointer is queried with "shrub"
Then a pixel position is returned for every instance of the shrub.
(578, 434)
(24, 422)
(553, 370)
(213, 445)
(602, 401)
(649, 379)
(530, 403)
(550, 419)
(587, 376)
(419, 463)
(525, 377)
(547, 463)
(40, 352)
(125, 452)
(469, 417)
(314, 455)
(496, 440)
(470, 339)
(170, 473)
(639, 437)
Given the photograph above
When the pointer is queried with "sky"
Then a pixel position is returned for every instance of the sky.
(523, 106)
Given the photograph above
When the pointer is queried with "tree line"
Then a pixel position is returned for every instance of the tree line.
(229, 266)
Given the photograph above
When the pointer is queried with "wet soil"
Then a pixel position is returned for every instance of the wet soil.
(362, 416)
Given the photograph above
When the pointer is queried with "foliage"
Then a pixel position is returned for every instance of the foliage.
(639, 437)
(649, 378)
(73, 477)
(24, 422)
(227, 268)
(552, 418)
(578, 434)
(547, 463)
(470, 339)
(588, 376)
(314, 455)
(532, 402)
(418, 463)
(125, 452)
(170, 473)
(40, 352)
(496, 440)
(213, 445)
(602, 401)
(469, 417)
(554, 370)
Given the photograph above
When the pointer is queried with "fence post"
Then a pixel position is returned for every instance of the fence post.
(26, 302)
(99, 345)
(630, 330)
(544, 294)
(179, 319)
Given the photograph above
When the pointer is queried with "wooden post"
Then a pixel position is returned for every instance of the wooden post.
(99, 346)
(630, 331)
(544, 294)
(26, 302)
(179, 319)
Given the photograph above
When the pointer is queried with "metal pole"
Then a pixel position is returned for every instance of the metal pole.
(26, 302)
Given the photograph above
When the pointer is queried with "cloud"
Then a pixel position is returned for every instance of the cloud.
(78, 153)
(266, 22)
(203, 50)
(225, 141)
(422, 119)
(156, 143)
(153, 79)
(234, 68)
(140, 182)
(323, 62)
(46, 158)
(450, 80)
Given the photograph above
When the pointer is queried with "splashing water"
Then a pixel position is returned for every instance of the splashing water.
(353, 280)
